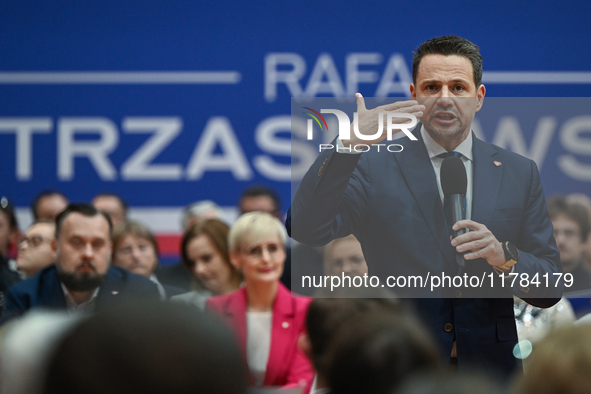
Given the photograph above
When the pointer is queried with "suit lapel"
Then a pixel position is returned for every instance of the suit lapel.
(52, 294)
(281, 334)
(416, 167)
(235, 313)
(110, 288)
(486, 182)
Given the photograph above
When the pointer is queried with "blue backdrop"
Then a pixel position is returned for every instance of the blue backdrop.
(168, 102)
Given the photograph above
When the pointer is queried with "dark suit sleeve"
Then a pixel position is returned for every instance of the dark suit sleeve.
(538, 253)
(330, 200)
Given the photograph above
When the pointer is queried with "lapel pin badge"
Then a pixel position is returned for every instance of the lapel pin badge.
(285, 324)
(114, 292)
(497, 163)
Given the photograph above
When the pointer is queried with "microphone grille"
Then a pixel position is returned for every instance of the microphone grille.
(453, 176)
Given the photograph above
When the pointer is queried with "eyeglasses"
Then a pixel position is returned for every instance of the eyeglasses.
(256, 252)
(34, 241)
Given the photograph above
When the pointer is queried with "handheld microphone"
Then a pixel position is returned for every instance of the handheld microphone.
(454, 183)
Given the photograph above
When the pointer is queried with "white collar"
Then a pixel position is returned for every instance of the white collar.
(434, 149)
(72, 305)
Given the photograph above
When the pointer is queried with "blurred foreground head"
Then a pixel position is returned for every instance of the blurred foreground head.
(147, 348)
(560, 363)
(376, 351)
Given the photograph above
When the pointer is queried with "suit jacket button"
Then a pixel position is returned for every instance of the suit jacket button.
(321, 170)
(524, 289)
(285, 324)
(448, 327)
(458, 294)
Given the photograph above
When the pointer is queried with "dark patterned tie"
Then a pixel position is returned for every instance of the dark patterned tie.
(446, 202)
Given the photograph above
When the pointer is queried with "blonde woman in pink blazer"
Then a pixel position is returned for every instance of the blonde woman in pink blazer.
(266, 319)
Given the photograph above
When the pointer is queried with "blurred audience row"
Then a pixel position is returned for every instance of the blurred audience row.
(96, 313)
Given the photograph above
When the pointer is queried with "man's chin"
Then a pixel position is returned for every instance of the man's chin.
(81, 281)
(444, 133)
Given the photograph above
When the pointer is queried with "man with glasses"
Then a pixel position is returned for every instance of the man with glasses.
(34, 249)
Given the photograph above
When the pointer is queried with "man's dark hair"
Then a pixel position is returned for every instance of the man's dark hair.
(41, 196)
(558, 205)
(376, 351)
(120, 200)
(83, 209)
(147, 348)
(327, 315)
(449, 45)
(258, 191)
(8, 209)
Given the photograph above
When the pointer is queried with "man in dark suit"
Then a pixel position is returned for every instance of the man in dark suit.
(393, 203)
(82, 278)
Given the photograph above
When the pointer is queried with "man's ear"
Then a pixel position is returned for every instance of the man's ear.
(54, 244)
(305, 345)
(413, 91)
(480, 92)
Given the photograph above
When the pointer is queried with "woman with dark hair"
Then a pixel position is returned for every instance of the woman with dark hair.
(205, 255)
(264, 316)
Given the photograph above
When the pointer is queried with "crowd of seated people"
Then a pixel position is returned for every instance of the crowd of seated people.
(86, 282)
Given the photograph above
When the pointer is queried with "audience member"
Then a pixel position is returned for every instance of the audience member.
(135, 249)
(571, 227)
(8, 226)
(8, 234)
(113, 206)
(326, 316)
(82, 277)
(344, 255)
(266, 319)
(456, 383)
(205, 254)
(258, 198)
(26, 347)
(585, 201)
(177, 274)
(48, 204)
(198, 211)
(34, 248)
(376, 351)
(148, 349)
(560, 364)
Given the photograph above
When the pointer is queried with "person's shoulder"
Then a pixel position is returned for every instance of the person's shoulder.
(218, 302)
(173, 291)
(131, 280)
(299, 303)
(191, 297)
(118, 273)
(48, 273)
